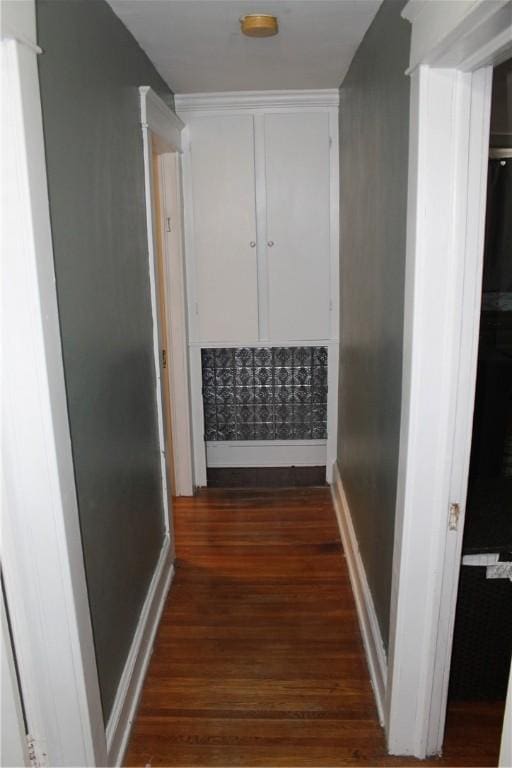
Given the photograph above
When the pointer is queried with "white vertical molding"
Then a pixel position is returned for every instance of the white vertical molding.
(196, 397)
(188, 218)
(438, 147)
(335, 223)
(261, 225)
(333, 363)
(472, 176)
(334, 345)
(42, 557)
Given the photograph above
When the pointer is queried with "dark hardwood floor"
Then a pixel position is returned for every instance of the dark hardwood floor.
(258, 659)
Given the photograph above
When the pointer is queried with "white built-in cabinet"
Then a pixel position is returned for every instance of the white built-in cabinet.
(262, 243)
(261, 208)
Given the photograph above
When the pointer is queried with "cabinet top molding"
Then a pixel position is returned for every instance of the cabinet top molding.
(251, 100)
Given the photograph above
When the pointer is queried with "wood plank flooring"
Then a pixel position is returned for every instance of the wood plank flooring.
(258, 659)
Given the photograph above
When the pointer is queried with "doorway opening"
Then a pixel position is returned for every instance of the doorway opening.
(482, 642)
(164, 213)
(163, 227)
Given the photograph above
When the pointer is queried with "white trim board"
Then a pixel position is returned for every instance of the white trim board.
(131, 682)
(157, 116)
(266, 453)
(368, 623)
(264, 344)
(254, 100)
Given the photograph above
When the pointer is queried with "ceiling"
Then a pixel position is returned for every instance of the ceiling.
(197, 46)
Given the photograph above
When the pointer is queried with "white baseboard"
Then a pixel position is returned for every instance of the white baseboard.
(130, 686)
(368, 623)
(266, 453)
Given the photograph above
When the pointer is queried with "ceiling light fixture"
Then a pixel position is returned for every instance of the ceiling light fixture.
(259, 25)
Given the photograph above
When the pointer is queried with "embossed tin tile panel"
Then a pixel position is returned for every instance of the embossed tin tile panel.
(265, 393)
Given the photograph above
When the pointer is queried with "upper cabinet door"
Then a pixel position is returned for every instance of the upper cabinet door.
(298, 225)
(222, 157)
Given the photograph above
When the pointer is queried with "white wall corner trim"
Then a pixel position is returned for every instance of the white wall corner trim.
(159, 118)
(130, 685)
(252, 100)
(368, 623)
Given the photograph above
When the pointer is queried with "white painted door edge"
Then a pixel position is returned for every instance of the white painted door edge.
(450, 102)
(132, 679)
(178, 369)
(368, 622)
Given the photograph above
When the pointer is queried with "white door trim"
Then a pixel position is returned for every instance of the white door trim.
(448, 150)
(42, 558)
(162, 121)
(163, 128)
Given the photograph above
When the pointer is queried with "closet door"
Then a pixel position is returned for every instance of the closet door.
(298, 231)
(222, 158)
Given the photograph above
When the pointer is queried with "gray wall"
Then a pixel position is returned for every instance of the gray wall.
(89, 72)
(374, 124)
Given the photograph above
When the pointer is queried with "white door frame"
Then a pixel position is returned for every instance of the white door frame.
(454, 45)
(42, 559)
(161, 130)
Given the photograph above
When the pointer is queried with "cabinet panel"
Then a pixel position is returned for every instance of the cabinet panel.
(222, 156)
(298, 224)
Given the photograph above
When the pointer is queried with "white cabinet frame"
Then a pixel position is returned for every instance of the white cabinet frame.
(258, 104)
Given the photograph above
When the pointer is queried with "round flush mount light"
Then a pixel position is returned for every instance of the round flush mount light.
(259, 25)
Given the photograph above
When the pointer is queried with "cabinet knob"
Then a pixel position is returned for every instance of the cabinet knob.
(270, 243)
(253, 244)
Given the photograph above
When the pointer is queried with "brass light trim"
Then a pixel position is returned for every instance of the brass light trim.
(259, 25)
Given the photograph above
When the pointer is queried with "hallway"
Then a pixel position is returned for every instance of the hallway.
(258, 659)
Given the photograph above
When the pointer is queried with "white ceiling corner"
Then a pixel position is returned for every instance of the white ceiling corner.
(197, 46)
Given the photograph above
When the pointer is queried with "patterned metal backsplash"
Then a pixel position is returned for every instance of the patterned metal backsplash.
(265, 393)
